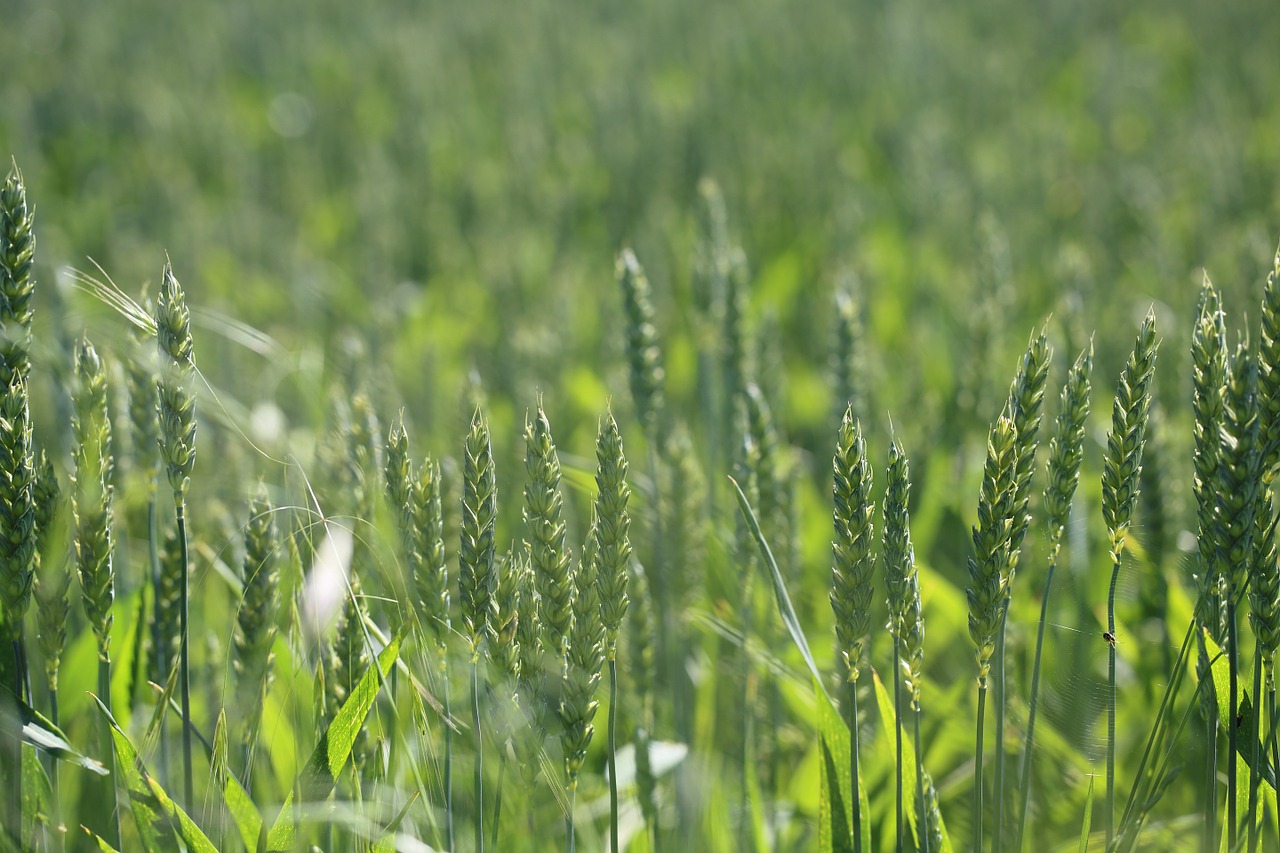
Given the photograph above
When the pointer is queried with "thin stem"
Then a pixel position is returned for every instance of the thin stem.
(1033, 705)
(158, 640)
(109, 753)
(569, 839)
(53, 778)
(614, 847)
(13, 753)
(977, 767)
(897, 727)
(184, 658)
(448, 762)
(497, 798)
(1109, 811)
(852, 688)
(1210, 838)
(922, 818)
(1233, 662)
(1256, 748)
(478, 779)
(1271, 719)
(997, 838)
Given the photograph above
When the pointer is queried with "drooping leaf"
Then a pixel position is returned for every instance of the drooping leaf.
(42, 734)
(155, 814)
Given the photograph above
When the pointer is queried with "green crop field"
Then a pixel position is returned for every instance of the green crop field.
(660, 426)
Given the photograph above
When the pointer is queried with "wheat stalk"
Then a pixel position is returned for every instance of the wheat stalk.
(1066, 452)
(1122, 464)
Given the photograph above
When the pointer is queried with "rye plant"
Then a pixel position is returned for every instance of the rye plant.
(1122, 465)
(852, 569)
(177, 409)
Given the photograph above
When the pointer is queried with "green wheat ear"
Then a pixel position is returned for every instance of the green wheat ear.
(17, 253)
(1239, 482)
(853, 563)
(476, 551)
(1269, 371)
(91, 499)
(1026, 399)
(177, 405)
(991, 542)
(53, 582)
(612, 542)
(1123, 459)
(256, 620)
(545, 531)
(582, 673)
(644, 352)
(17, 508)
(1066, 448)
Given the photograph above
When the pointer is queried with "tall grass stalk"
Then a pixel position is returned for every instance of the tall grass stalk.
(1066, 451)
(852, 568)
(91, 507)
(987, 568)
(178, 451)
(612, 552)
(17, 286)
(1209, 366)
(475, 578)
(1026, 398)
(900, 579)
(1239, 484)
(1120, 476)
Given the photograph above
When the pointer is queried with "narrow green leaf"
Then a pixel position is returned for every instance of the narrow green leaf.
(835, 811)
(101, 842)
(1087, 823)
(280, 838)
(334, 748)
(153, 810)
(785, 609)
(36, 794)
(885, 703)
(245, 814)
(1246, 734)
(39, 732)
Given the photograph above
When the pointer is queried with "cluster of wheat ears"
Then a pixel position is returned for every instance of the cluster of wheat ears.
(532, 628)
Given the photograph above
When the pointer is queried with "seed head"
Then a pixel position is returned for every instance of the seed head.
(1066, 448)
(992, 542)
(17, 252)
(476, 549)
(177, 404)
(853, 564)
(1123, 459)
(545, 535)
(17, 507)
(644, 353)
(612, 542)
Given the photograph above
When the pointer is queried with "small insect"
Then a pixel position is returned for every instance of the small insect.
(1110, 638)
